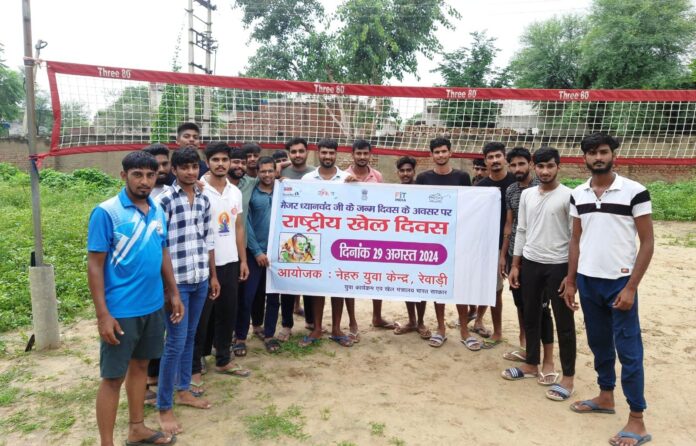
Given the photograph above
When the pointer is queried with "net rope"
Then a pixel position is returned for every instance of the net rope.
(109, 108)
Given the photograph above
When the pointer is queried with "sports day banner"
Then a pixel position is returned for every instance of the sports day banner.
(386, 241)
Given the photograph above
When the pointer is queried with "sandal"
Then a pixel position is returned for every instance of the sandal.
(343, 341)
(516, 374)
(516, 355)
(490, 343)
(482, 331)
(354, 336)
(235, 370)
(272, 345)
(307, 341)
(437, 340)
(544, 378)
(559, 393)
(284, 334)
(152, 439)
(240, 349)
(197, 389)
(472, 343)
(403, 329)
(425, 333)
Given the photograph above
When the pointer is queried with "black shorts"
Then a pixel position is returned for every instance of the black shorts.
(143, 338)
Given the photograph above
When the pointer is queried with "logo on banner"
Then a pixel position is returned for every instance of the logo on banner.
(364, 195)
(435, 198)
(288, 191)
(399, 196)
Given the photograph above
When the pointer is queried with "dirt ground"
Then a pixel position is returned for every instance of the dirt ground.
(386, 390)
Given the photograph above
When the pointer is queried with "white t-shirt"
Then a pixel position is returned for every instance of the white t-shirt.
(225, 208)
(544, 225)
(314, 175)
(608, 241)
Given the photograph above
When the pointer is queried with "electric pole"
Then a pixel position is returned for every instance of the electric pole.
(203, 40)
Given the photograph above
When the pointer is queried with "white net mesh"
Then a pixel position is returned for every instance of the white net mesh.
(107, 112)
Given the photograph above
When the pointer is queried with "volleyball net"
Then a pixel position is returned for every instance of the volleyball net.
(98, 108)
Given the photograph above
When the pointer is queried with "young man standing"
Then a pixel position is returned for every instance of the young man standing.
(480, 170)
(190, 237)
(188, 134)
(539, 266)
(500, 177)
(219, 316)
(519, 161)
(161, 154)
(258, 224)
(361, 171)
(252, 152)
(406, 170)
(327, 171)
(608, 212)
(444, 175)
(127, 263)
(296, 150)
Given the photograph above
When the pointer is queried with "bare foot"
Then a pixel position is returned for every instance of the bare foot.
(168, 422)
(186, 398)
(138, 432)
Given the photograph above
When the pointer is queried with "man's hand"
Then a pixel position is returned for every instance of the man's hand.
(243, 271)
(214, 288)
(501, 266)
(262, 260)
(514, 277)
(175, 307)
(624, 301)
(568, 294)
(350, 179)
(108, 329)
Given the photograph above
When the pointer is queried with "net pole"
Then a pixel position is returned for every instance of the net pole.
(44, 306)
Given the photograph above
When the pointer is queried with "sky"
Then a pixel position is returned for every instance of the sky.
(143, 33)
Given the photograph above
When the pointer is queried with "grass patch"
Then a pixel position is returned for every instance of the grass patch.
(377, 429)
(22, 421)
(292, 347)
(273, 425)
(687, 241)
(62, 421)
(397, 441)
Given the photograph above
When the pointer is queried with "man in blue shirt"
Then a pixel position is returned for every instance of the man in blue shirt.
(127, 263)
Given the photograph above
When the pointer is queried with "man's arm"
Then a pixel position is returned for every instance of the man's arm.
(210, 243)
(644, 226)
(253, 244)
(108, 326)
(573, 257)
(240, 234)
(520, 241)
(507, 231)
(172, 301)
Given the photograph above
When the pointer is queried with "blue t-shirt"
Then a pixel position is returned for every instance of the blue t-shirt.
(133, 244)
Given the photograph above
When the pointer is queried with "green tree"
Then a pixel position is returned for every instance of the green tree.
(129, 112)
(73, 117)
(11, 91)
(550, 56)
(471, 67)
(639, 43)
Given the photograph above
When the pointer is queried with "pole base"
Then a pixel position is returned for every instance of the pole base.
(44, 307)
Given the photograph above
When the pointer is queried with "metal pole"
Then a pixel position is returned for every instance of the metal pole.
(31, 133)
(44, 305)
(191, 88)
(206, 94)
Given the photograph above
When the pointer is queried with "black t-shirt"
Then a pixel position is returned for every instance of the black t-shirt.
(503, 185)
(454, 178)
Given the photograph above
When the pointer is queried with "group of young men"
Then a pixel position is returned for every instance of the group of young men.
(177, 265)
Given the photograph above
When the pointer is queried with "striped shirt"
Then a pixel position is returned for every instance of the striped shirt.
(190, 236)
(608, 241)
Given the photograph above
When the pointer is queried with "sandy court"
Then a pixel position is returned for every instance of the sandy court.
(422, 395)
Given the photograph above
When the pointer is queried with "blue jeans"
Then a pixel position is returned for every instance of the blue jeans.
(611, 331)
(175, 365)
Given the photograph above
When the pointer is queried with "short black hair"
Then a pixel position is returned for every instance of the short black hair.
(236, 153)
(546, 154)
(493, 146)
(361, 144)
(328, 144)
(280, 154)
(216, 147)
(295, 141)
(480, 162)
(186, 155)
(250, 147)
(405, 160)
(266, 160)
(157, 149)
(438, 142)
(139, 160)
(597, 139)
(518, 152)
(187, 126)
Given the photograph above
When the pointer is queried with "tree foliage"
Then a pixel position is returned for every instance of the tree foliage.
(11, 91)
(129, 112)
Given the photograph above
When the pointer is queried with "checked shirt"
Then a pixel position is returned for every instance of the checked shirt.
(189, 234)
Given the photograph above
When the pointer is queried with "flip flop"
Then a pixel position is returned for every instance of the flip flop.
(437, 340)
(482, 331)
(516, 356)
(424, 333)
(633, 436)
(403, 329)
(559, 393)
(594, 408)
(386, 326)
(150, 395)
(239, 350)
(237, 370)
(453, 324)
(544, 381)
(343, 341)
(490, 343)
(516, 374)
(354, 336)
(307, 341)
(259, 333)
(197, 389)
(284, 334)
(152, 439)
(272, 345)
(472, 343)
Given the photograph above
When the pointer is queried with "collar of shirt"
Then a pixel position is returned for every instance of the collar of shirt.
(371, 176)
(126, 202)
(339, 175)
(617, 184)
(178, 189)
(210, 188)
